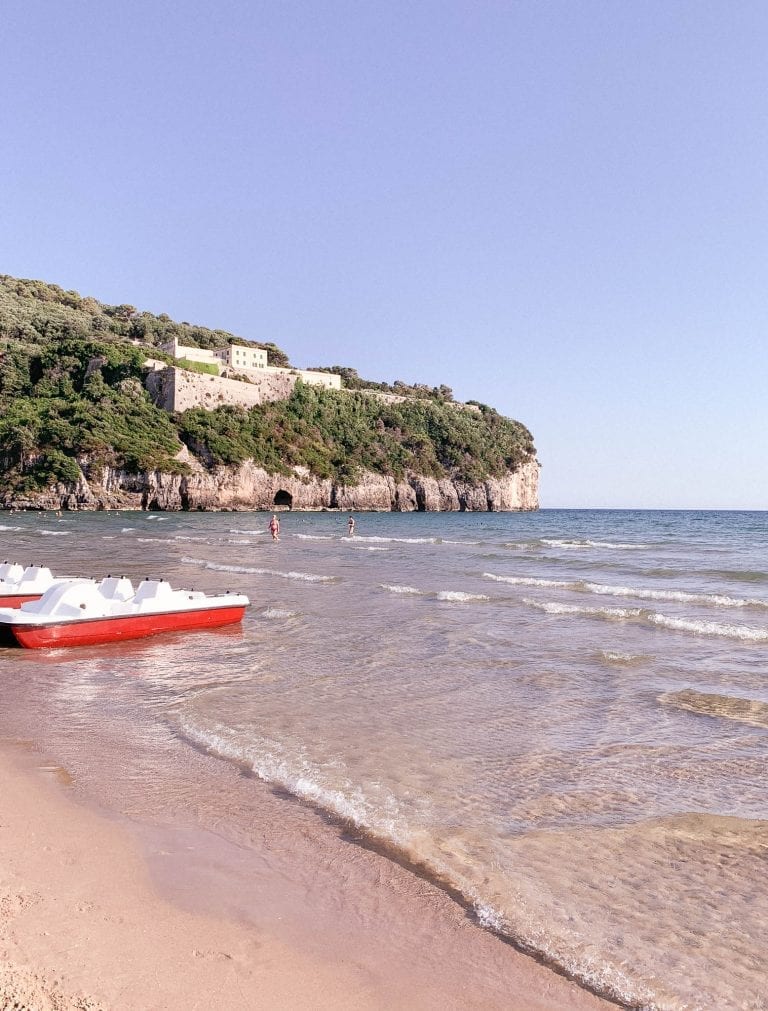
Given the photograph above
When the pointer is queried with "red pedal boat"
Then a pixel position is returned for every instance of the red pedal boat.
(83, 612)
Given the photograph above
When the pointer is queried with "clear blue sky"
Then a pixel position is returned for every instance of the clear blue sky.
(558, 208)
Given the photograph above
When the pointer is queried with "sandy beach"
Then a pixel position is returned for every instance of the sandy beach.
(89, 919)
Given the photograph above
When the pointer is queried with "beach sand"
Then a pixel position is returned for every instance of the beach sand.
(98, 912)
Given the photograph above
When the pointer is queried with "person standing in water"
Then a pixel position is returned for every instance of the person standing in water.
(274, 527)
(351, 526)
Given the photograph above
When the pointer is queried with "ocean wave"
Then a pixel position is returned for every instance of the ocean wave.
(367, 547)
(277, 612)
(679, 596)
(696, 626)
(9, 528)
(53, 533)
(458, 596)
(639, 593)
(188, 537)
(556, 542)
(300, 777)
(744, 633)
(405, 590)
(307, 577)
(373, 810)
(530, 581)
(257, 531)
(234, 540)
(153, 540)
(553, 607)
(740, 575)
(127, 530)
(314, 537)
(394, 540)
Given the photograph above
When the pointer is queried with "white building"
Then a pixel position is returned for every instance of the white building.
(237, 356)
(248, 361)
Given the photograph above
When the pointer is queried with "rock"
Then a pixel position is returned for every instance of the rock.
(249, 487)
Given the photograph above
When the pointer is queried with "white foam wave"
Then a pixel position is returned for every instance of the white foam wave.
(394, 540)
(314, 537)
(444, 540)
(680, 596)
(529, 581)
(639, 593)
(307, 577)
(368, 547)
(553, 607)
(153, 540)
(9, 528)
(405, 590)
(257, 531)
(742, 632)
(127, 530)
(458, 596)
(556, 542)
(277, 612)
(697, 626)
(53, 533)
(187, 537)
(158, 518)
(305, 780)
(489, 917)
(234, 540)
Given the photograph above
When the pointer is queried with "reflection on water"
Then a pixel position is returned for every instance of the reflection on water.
(561, 715)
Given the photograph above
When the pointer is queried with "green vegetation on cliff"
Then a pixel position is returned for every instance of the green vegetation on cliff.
(34, 312)
(338, 435)
(71, 400)
(72, 396)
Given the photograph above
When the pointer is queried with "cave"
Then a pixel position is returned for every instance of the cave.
(284, 498)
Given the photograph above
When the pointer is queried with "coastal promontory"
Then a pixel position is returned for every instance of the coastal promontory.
(106, 407)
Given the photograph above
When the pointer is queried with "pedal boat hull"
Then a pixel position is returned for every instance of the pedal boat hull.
(96, 631)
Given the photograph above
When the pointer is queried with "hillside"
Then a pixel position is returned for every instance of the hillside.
(73, 403)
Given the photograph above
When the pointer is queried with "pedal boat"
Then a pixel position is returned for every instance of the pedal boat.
(19, 585)
(84, 612)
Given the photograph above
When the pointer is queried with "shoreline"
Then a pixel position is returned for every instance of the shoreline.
(99, 912)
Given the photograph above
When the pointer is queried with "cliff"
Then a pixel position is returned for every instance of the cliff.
(247, 487)
(92, 418)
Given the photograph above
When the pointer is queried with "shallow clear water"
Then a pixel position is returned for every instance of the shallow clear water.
(561, 715)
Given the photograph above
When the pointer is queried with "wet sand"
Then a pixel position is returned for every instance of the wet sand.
(100, 912)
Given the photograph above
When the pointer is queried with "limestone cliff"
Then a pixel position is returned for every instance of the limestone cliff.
(247, 487)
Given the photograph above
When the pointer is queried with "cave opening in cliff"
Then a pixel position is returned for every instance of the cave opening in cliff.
(284, 499)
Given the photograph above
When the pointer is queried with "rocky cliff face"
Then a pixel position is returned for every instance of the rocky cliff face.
(249, 487)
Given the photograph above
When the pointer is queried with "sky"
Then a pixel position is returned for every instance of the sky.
(556, 208)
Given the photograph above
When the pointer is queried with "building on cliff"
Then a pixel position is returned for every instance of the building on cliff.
(242, 377)
(248, 361)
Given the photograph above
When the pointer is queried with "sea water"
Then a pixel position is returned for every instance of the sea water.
(560, 716)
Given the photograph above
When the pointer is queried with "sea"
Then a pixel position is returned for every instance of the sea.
(560, 717)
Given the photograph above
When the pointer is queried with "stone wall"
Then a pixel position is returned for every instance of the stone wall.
(176, 389)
